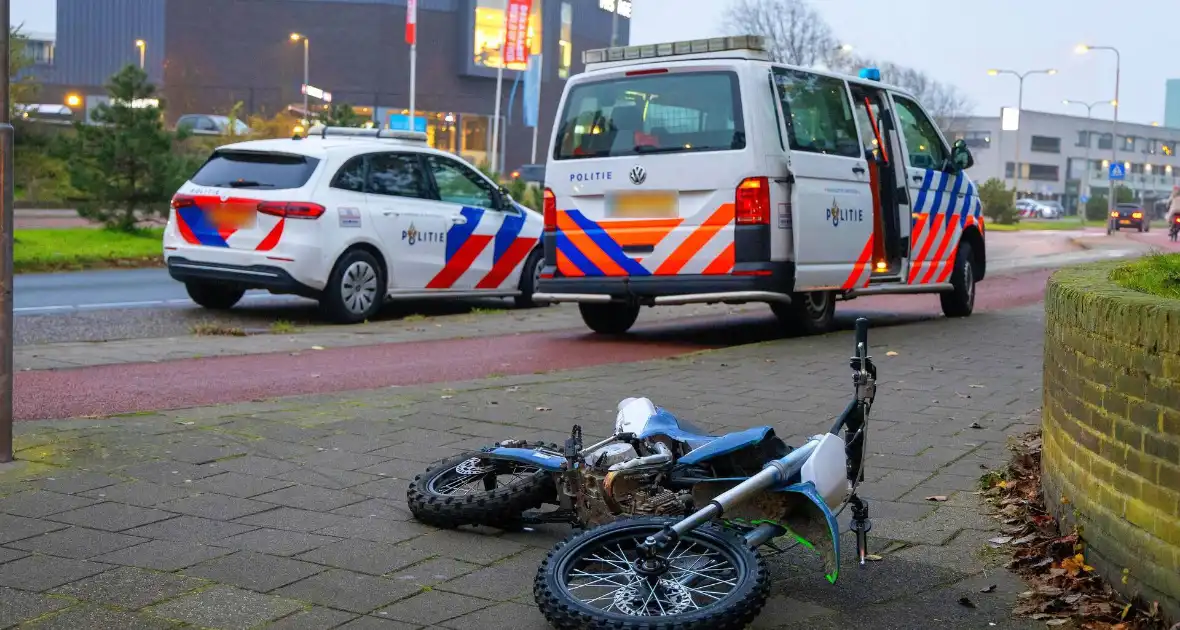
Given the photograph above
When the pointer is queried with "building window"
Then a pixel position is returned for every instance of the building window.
(476, 132)
(1045, 144)
(1084, 139)
(566, 42)
(1034, 172)
(1104, 141)
(40, 51)
(489, 32)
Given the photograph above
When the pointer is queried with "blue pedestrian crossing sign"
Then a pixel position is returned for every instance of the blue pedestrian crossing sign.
(1117, 171)
(1085, 198)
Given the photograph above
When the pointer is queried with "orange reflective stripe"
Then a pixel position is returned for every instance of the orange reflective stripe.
(567, 268)
(587, 247)
(723, 263)
(858, 269)
(692, 245)
(639, 232)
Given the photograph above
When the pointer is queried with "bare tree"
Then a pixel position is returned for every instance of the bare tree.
(795, 33)
(944, 101)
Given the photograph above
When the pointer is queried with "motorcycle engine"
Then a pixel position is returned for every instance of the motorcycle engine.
(605, 495)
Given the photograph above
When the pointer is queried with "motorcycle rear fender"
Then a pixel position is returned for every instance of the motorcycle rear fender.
(797, 508)
(726, 444)
(546, 461)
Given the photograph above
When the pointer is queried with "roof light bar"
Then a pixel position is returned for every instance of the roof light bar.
(673, 49)
(383, 134)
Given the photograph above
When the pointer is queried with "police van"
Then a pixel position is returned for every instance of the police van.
(701, 172)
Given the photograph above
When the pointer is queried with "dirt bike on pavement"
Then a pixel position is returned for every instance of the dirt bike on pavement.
(703, 571)
(1174, 229)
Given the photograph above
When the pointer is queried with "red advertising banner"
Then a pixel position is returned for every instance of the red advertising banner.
(411, 22)
(516, 32)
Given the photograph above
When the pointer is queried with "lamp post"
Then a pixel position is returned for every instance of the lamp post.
(1114, 125)
(297, 37)
(1089, 114)
(6, 134)
(142, 46)
(1019, 107)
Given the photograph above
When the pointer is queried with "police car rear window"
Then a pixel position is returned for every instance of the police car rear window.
(654, 113)
(252, 169)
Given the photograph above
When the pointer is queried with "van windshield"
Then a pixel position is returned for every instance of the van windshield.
(652, 113)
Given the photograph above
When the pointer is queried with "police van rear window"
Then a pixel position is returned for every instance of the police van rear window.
(254, 169)
(674, 112)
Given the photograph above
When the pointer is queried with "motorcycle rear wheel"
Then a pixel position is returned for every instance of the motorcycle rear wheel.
(475, 488)
(713, 582)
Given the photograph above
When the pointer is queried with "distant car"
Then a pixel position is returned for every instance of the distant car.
(531, 174)
(211, 125)
(1052, 209)
(1130, 215)
(1031, 209)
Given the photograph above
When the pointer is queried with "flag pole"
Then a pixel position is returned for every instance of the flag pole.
(412, 35)
(537, 121)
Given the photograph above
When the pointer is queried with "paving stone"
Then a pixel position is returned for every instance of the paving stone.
(190, 528)
(381, 488)
(39, 573)
(341, 459)
(505, 615)
(168, 472)
(141, 493)
(365, 556)
(352, 442)
(316, 618)
(780, 610)
(98, 617)
(77, 542)
(112, 516)
(417, 452)
(433, 607)
(435, 571)
(294, 520)
(129, 587)
(377, 530)
(77, 482)
(216, 506)
(238, 485)
(489, 583)
(377, 508)
(398, 468)
(254, 571)
(8, 555)
(205, 454)
(18, 527)
(346, 590)
(38, 503)
(256, 466)
(377, 623)
(17, 606)
(327, 477)
(276, 542)
(226, 607)
(310, 498)
(163, 555)
(468, 546)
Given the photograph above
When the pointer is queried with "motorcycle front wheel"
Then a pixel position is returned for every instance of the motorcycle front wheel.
(710, 579)
(474, 488)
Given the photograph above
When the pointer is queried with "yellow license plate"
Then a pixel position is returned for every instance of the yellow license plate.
(234, 217)
(654, 204)
(1124, 222)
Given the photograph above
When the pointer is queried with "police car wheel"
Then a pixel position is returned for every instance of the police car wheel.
(356, 288)
(218, 297)
(960, 301)
(530, 276)
(808, 313)
(609, 319)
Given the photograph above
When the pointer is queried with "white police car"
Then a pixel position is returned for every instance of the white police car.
(348, 217)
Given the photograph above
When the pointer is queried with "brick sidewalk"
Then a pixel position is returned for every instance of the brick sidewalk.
(292, 511)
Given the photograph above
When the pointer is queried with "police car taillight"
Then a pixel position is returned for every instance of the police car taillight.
(291, 209)
(550, 211)
(672, 49)
(752, 201)
(181, 201)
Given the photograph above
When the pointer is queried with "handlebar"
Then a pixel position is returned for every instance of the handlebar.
(862, 336)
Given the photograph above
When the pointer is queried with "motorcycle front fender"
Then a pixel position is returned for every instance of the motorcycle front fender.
(545, 461)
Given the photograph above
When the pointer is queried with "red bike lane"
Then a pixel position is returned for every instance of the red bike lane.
(140, 387)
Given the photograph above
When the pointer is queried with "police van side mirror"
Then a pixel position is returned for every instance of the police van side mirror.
(961, 155)
(506, 200)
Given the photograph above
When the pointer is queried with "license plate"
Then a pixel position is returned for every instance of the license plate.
(234, 217)
(653, 204)
(1124, 222)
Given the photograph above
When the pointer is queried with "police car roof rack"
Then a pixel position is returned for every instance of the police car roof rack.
(362, 132)
(674, 49)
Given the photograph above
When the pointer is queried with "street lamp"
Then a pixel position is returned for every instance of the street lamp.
(1019, 108)
(142, 46)
(1114, 145)
(73, 100)
(1089, 112)
(296, 37)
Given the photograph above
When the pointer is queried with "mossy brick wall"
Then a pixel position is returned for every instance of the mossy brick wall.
(1111, 428)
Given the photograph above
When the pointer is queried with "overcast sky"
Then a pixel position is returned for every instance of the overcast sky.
(954, 41)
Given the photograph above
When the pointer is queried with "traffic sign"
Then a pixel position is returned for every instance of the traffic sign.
(1117, 171)
(1085, 198)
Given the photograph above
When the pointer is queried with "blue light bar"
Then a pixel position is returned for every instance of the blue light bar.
(871, 74)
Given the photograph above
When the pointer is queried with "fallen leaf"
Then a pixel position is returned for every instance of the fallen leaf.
(1000, 540)
(1057, 622)
(891, 354)
(975, 425)
(514, 388)
(444, 397)
(1025, 539)
(317, 347)
(963, 601)
(544, 409)
(976, 386)
(874, 557)
(938, 497)
(990, 589)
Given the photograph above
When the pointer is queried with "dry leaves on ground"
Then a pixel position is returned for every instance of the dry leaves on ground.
(1064, 587)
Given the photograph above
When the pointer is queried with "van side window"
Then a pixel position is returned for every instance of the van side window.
(921, 137)
(819, 115)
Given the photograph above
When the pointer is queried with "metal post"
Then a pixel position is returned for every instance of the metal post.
(537, 122)
(1114, 138)
(1019, 124)
(614, 23)
(413, 81)
(306, 82)
(492, 162)
(6, 136)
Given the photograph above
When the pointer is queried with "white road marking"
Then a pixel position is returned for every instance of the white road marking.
(113, 305)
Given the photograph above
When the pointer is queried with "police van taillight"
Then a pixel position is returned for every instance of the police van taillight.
(752, 201)
(550, 211)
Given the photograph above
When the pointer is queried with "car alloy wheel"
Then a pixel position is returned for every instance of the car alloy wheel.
(359, 287)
